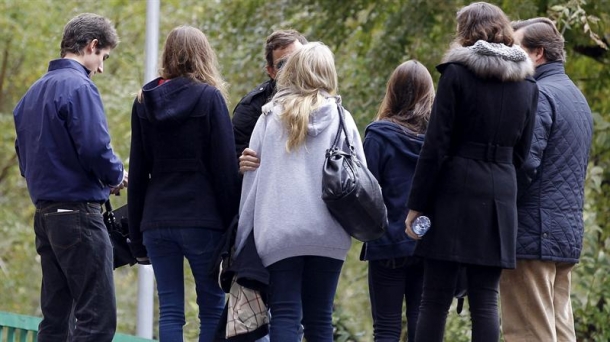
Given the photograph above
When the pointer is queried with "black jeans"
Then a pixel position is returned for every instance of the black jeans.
(440, 278)
(391, 281)
(76, 259)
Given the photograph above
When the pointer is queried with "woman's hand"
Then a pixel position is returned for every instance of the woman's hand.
(409, 221)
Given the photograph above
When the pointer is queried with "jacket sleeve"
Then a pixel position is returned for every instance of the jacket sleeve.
(222, 164)
(89, 132)
(437, 141)
(139, 172)
(249, 187)
(374, 155)
(542, 125)
(355, 139)
(21, 166)
(245, 115)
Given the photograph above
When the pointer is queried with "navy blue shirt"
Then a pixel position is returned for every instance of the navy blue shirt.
(62, 141)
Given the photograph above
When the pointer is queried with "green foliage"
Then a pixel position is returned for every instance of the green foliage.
(369, 39)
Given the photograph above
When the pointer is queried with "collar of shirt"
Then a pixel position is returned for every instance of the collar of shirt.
(64, 63)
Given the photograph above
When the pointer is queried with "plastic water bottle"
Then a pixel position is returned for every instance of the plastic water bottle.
(421, 225)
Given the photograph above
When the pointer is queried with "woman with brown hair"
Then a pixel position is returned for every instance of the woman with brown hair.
(479, 133)
(391, 145)
(184, 183)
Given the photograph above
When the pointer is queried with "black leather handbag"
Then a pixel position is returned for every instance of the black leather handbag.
(351, 193)
(118, 230)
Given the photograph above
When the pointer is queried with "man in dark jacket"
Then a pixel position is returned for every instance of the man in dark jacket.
(536, 295)
(64, 154)
(279, 45)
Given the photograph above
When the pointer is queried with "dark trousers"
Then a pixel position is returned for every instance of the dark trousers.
(390, 282)
(440, 278)
(76, 259)
(302, 289)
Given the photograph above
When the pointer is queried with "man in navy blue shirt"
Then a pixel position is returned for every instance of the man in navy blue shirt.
(65, 155)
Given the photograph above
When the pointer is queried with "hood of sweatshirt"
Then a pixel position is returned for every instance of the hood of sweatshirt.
(400, 137)
(322, 117)
(319, 119)
(172, 101)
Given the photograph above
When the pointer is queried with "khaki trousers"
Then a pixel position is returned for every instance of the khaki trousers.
(535, 302)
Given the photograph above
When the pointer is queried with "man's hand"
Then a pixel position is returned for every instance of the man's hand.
(248, 161)
(117, 189)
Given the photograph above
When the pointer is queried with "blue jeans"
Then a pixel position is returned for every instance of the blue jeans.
(167, 248)
(440, 279)
(391, 281)
(76, 260)
(302, 289)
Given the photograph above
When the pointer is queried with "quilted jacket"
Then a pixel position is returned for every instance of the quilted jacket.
(551, 183)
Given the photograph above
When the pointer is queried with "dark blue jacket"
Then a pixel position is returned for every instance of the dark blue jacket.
(182, 167)
(551, 183)
(391, 155)
(62, 142)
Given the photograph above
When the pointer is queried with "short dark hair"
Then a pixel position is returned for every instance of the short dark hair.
(279, 40)
(84, 28)
(483, 21)
(542, 33)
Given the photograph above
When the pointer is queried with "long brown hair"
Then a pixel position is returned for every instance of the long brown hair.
(188, 53)
(483, 21)
(409, 97)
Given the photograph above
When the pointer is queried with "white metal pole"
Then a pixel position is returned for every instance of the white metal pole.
(146, 284)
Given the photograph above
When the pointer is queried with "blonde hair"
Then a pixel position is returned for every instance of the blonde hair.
(409, 97)
(187, 53)
(303, 84)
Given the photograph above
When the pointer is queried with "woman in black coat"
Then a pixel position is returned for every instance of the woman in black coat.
(479, 133)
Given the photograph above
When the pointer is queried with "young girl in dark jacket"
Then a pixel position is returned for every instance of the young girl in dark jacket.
(184, 183)
(391, 145)
(479, 133)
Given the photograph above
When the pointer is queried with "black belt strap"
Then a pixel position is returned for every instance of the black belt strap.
(485, 152)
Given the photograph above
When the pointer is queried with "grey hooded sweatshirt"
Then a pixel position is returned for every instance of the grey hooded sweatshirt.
(281, 201)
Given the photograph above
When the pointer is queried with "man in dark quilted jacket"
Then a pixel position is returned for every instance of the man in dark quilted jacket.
(536, 295)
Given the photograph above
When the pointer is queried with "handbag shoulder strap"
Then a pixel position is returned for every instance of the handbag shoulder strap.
(342, 128)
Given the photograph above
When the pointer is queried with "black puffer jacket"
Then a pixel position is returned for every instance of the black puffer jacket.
(551, 183)
(247, 111)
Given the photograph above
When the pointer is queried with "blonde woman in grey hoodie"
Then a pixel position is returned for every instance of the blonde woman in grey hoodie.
(301, 245)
